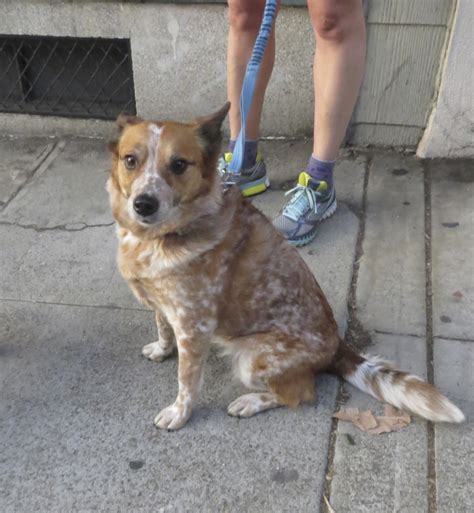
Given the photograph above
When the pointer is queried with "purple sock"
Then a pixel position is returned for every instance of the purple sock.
(321, 170)
(250, 152)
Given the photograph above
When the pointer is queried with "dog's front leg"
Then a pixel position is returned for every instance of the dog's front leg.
(192, 352)
(163, 347)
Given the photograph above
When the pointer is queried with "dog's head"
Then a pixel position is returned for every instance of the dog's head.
(164, 174)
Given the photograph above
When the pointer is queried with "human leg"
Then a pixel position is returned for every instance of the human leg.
(338, 68)
(245, 17)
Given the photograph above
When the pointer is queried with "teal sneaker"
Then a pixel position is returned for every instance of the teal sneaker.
(311, 203)
(251, 181)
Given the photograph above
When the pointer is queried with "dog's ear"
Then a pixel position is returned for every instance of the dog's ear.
(123, 120)
(209, 130)
(112, 146)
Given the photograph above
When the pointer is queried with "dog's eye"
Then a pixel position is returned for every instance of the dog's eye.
(179, 166)
(131, 162)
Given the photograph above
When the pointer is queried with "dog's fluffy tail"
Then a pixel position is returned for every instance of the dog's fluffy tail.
(381, 380)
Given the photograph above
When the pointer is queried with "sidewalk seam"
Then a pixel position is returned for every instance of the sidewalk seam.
(353, 324)
(53, 303)
(45, 159)
(432, 491)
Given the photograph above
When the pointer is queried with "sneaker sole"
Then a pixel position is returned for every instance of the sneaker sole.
(255, 187)
(303, 241)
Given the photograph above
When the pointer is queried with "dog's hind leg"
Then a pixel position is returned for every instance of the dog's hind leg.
(282, 365)
(163, 347)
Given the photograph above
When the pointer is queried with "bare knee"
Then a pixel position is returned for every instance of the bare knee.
(335, 21)
(246, 15)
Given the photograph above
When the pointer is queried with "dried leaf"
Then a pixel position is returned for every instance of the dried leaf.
(388, 424)
(365, 421)
(391, 411)
(381, 428)
(347, 414)
(393, 420)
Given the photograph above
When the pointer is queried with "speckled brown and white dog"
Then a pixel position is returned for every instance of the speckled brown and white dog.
(210, 264)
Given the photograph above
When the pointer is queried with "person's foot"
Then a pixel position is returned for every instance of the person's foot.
(251, 181)
(312, 201)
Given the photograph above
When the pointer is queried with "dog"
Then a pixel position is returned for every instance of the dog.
(212, 266)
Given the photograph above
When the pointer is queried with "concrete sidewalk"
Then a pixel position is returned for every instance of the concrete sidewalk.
(78, 399)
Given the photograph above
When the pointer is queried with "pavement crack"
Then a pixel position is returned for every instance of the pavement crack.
(69, 227)
(456, 339)
(397, 334)
(43, 161)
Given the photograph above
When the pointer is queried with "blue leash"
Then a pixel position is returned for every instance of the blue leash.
(250, 79)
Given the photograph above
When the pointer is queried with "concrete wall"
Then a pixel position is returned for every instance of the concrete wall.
(450, 130)
(405, 47)
(178, 54)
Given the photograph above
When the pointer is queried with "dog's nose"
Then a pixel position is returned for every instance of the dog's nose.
(145, 205)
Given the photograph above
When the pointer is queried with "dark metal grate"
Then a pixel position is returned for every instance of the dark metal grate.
(71, 77)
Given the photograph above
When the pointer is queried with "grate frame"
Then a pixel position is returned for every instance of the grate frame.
(73, 77)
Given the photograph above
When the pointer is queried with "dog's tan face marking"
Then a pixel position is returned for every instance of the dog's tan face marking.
(170, 163)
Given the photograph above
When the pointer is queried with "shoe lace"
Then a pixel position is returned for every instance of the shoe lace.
(227, 177)
(304, 198)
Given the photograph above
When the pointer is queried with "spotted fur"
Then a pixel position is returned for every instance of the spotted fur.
(212, 267)
(383, 381)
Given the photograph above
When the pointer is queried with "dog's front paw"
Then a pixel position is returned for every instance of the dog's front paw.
(173, 417)
(156, 352)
